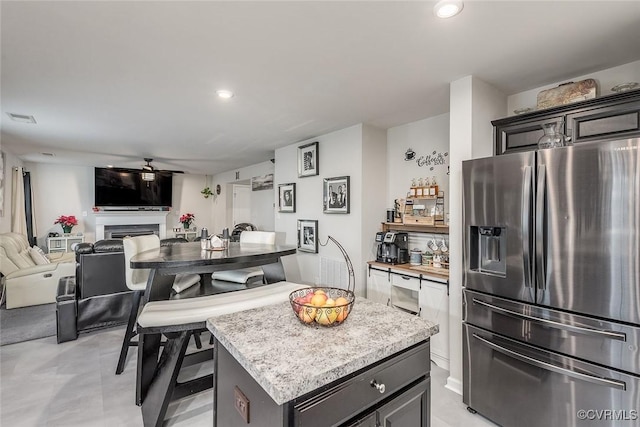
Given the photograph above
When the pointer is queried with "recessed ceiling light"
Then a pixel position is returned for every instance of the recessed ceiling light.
(447, 8)
(22, 118)
(225, 94)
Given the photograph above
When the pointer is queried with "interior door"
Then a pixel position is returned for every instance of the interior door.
(498, 229)
(241, 204)
(587, 241)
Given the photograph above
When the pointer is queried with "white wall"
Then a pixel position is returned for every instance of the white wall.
(424, 137)
(340, 153)
(69, 190)
(10, 162)
(606, 79)
(375, 179)
(262, 202)
(187, 198)
(473, 103)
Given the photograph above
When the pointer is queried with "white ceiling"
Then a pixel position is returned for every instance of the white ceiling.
(112, 82)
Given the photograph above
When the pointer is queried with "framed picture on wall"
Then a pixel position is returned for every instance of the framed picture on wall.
(259, 183)
(308, 160)
(308, 235)
(287, 197)
(336, 195)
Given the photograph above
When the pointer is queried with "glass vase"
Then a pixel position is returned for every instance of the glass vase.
(553, 136)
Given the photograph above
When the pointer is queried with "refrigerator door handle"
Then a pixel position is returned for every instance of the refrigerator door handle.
(620, 385)
(581, 329)
(526, 226)
(540, 201)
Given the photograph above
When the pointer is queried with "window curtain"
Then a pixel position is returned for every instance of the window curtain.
(29, 209)
(18, 214)
(21, 204)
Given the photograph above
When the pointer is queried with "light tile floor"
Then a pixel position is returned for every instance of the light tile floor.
(43, 383)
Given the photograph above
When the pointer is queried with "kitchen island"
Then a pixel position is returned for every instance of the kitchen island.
(272, 370)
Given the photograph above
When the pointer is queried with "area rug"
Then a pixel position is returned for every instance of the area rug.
(27, 323)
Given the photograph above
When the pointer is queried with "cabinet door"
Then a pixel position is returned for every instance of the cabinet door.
(378, 286)
(434, 306)
(56, 244)
(405, 289)
(368, 421)
(521, 136)
(617, 121)
(410, 409)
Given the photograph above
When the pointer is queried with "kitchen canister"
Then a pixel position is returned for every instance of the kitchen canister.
(415, 257)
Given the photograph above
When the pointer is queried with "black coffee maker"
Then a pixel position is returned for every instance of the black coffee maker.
(393, 247)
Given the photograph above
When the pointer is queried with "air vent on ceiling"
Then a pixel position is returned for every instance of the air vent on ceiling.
(21, 118)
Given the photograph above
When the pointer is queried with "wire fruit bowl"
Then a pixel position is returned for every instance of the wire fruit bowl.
(325, 315)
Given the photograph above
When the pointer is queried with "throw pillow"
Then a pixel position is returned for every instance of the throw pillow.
(38, 256)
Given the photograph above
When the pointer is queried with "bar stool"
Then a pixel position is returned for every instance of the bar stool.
(241, 277)
(157, 385)
(136, 280)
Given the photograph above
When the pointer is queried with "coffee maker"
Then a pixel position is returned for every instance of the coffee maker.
(393, 247)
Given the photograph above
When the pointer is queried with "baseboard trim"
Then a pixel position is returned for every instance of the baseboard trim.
(454, 385)
(440, 361)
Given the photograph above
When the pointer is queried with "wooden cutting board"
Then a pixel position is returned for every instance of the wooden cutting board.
(567, 93)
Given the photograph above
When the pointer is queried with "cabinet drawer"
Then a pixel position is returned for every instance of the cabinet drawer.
(348, 398)
(405, 281)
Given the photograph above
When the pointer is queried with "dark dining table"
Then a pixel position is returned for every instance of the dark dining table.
(166, 262)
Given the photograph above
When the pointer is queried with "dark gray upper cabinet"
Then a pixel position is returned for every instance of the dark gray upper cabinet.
(607, 117)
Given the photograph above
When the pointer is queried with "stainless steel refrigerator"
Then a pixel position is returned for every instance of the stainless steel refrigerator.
(551, 315)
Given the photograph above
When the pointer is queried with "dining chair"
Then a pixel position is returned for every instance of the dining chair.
(243, 276)
(136, 280)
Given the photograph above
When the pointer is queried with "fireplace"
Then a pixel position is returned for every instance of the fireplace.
(118, 224)
(120, 231)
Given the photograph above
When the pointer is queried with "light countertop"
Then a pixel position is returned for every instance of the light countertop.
(289, 359)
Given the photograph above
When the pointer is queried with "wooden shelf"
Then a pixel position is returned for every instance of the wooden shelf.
(441, 273)
(415, 228)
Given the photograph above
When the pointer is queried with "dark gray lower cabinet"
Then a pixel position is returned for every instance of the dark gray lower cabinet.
(409, 409)
(393, 392)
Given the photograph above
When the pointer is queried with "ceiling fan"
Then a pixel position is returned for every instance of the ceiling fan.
(149, 172)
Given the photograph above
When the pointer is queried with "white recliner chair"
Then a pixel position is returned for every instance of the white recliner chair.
(136, 280)
(243, 276)
(29, 276)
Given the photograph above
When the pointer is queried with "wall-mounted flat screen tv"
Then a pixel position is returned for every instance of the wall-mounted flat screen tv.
(126, 188)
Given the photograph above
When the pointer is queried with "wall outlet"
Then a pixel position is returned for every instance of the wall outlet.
(241, 402)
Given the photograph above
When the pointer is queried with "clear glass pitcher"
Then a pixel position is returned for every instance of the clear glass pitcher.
(553, 136)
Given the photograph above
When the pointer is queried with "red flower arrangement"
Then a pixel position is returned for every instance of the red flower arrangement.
(66, 221)
(187, 219)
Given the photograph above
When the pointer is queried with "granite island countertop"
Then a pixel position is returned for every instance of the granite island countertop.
(289, 359)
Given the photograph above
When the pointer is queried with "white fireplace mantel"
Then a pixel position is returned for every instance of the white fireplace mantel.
(131, 218)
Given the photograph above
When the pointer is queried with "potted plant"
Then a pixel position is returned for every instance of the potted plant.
(66, 222)
(206, 192)
(187, 219)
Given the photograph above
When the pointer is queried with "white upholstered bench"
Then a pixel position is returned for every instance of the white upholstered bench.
(178, 320)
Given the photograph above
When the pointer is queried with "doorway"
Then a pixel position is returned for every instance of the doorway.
(241, 206)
